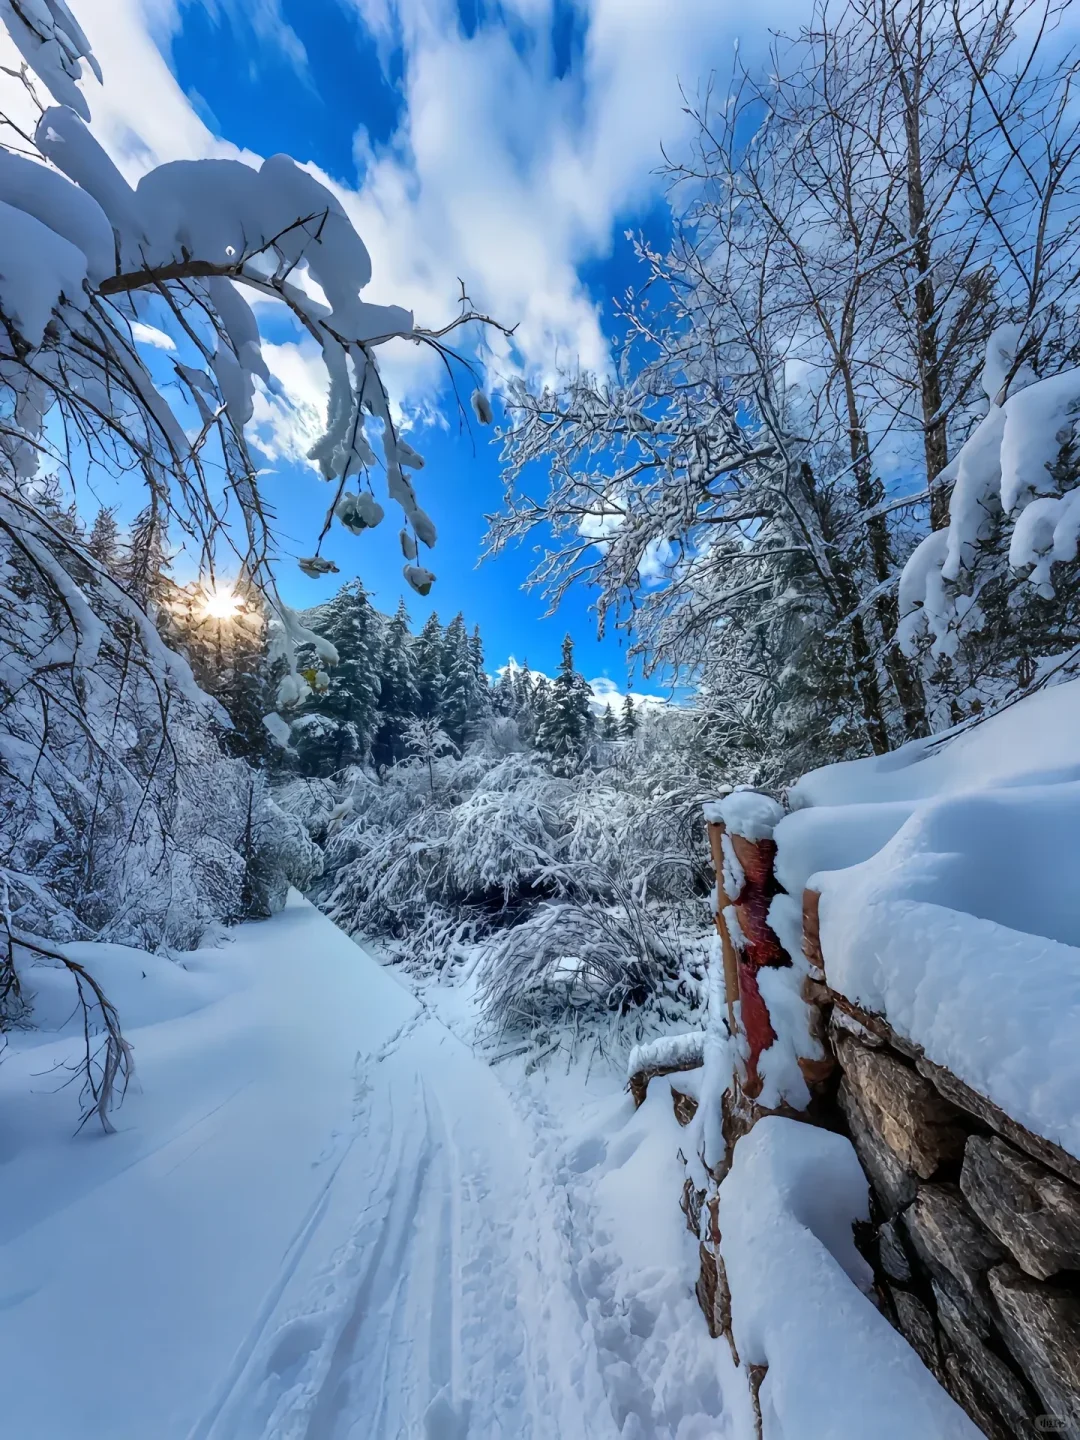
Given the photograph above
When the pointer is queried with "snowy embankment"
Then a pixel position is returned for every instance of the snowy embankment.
(323, 1216)
(947, 873)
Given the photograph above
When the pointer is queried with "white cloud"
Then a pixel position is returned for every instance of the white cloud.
(285, 426)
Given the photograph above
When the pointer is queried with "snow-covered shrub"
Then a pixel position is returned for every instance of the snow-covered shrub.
(575, 962)
(439, 940)
(586, 891)
(988, 595)
(314, 803)
(502, 836)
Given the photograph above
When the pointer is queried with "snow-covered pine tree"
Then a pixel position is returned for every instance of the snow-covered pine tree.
(503, 697)
(427, 654)
(609, 727)
(398, 694)
(104, 540)
(629, 724)
(457, 706)
(229, 652)
(482, 707)
(538, 690)
(338, 721)
(146, 561)
(565, 731)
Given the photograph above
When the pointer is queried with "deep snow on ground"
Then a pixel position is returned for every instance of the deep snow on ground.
(324, 1217)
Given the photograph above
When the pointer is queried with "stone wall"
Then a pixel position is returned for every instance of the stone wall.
(975, 1231)
(974, 1236)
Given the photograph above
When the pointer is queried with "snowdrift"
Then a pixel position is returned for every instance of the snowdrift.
(948, 899)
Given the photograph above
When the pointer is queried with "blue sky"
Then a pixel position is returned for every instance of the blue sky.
(508, 145)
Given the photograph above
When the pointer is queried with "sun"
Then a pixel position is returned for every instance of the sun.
(221, 604)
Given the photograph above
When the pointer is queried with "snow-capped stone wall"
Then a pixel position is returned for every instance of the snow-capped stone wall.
(974, 1230)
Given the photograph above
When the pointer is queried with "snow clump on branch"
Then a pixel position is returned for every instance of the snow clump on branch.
(1016, 467)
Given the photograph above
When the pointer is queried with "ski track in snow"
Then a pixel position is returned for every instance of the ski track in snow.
(437, 1267)
(471, 1300)
(436, 1315)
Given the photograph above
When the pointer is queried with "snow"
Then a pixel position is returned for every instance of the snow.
(324, 1214)
(947, 880)
(37, 268)
(53, 44)
(1008, 465)
(73, 214)
(799, 1289)
(481, 407)
(62, 138)
(668, 1051)
(745, 812)
(1034, 742)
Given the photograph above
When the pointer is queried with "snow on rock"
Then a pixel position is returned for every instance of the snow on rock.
(1034, 742)
(947, 880)
(782, 1080)
(921, 934)
(837, 1368)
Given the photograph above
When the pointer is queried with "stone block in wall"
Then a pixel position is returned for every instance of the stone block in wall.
(958, 1380)
(1033, 1212)
(983, 1383)
(951, 1242)
(893, 1185)
(916, 1324)
(892, 1256)
(962, 1095)
(917, 1124)
(1040, 1324)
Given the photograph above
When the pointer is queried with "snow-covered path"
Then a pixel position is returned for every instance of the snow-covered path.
(325, 1219)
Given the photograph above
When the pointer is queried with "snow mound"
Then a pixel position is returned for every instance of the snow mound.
(947, 880)
(146, 989)
(798, 1303)
(1034, 742)
(746, 812)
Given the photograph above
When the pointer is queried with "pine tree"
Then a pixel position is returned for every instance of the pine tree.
(503, 697)
(145, 567)
(537, 691)
(336, 727)
(104, 541)
(482, 706)
(428, 672)
(629, 719)
(398, 695)
(247, 691)
(609, 729)
(458, 703)
(566, 728)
